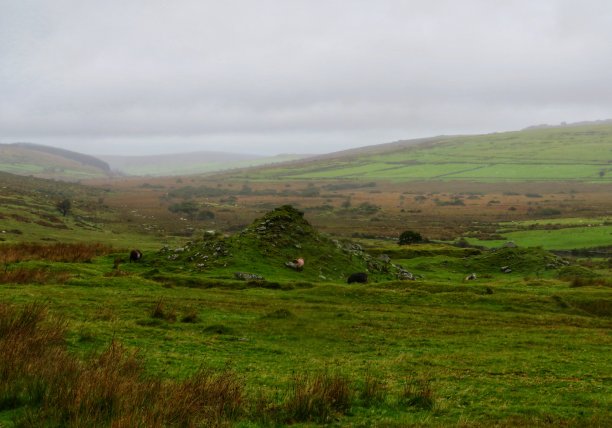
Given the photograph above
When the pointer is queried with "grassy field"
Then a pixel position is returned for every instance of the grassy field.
(524, 347)
(556, 239)
(573, 153)
(28, 160)
(481, 350)
(436, 351)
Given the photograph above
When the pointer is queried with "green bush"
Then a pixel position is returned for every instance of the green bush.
(410, 237)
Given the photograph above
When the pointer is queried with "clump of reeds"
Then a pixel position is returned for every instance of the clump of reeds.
(373, 390)
(418, 392)
(108, 389)
(316, 397)
(160, 311)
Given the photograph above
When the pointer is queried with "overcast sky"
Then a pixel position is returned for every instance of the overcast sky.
(278, 76)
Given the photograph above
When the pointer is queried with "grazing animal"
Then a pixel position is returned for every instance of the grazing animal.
(361, 277)
(135, 255)
(297, 264)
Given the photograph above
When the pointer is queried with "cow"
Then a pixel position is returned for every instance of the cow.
(135, 255)
(361, 277)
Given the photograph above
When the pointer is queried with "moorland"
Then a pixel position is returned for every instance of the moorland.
(88, 338)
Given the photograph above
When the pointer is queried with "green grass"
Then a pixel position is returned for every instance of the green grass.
(555, 239)
(442, 350)
(566, 221)
(576, 153)
(445, 351)
(486, 355)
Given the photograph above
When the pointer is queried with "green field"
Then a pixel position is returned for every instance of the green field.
(484, 354)
(435, 351)
(575, 153)
(567, 238)
(214, 327)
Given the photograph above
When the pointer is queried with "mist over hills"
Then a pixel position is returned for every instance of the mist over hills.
(576, 151)
(61, 164)
(190, 163)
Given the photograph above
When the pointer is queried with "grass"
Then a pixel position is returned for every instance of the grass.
(432, 352)
(577, 153)
(437, 351)
(107, 389)
(555, 239)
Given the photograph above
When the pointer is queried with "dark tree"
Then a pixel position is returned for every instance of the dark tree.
(64, 206)
(410, 237)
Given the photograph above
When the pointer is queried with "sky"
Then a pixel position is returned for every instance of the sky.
(294, 76)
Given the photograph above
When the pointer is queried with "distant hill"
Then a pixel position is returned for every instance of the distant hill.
(575, 152)
(50, 162)
(190, 163)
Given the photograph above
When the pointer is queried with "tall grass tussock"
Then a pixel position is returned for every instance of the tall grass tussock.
(110, 388)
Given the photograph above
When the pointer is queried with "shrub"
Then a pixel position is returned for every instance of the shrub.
(410, 237)
(368, 208)
(188, 208)
(64, 206)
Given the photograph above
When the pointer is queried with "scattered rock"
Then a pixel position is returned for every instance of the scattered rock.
(471, 277)
(247, 276)
(404, 275)
(384, 258)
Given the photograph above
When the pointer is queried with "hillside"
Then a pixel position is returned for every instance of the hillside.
(581, 152)
(50, 162)
(189, 163)
(29, 213)
(263, 249)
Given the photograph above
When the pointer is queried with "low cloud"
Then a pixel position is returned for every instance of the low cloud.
(269, 76)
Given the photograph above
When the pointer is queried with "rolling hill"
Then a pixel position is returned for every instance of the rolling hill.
(50, 162)
(581, 152)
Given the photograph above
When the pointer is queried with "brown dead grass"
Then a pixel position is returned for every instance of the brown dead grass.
(38, 375)
(59, 252)
(32, 276)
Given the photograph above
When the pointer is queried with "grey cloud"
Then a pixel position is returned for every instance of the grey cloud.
(254, 76)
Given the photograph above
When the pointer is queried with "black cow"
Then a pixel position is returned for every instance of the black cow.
(361, 277)
(135, 255)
